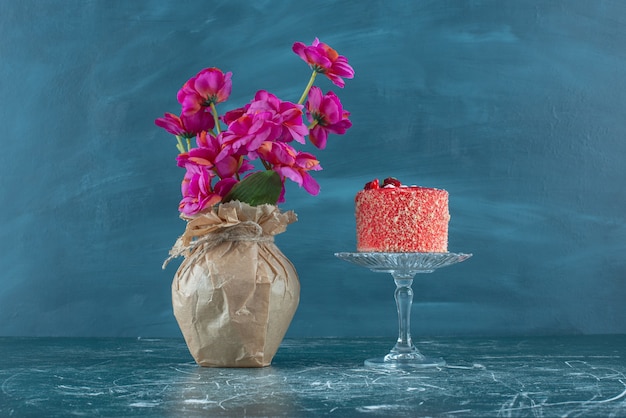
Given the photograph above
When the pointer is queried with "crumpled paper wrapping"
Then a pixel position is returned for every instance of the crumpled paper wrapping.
(235, 293)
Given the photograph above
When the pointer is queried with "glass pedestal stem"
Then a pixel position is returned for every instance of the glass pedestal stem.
(404, 301)
(404, 353)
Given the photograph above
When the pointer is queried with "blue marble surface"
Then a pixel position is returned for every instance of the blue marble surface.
(516, 108)
(484, 377)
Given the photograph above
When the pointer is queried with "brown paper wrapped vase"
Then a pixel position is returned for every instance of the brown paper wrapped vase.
(235, 293)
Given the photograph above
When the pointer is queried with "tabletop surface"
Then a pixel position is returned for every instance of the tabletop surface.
(508, 377)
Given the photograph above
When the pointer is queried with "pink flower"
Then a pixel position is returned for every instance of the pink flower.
(232, 115)
(198, 194)
(209, 86)
(327, 114)
(292, 164)
(206, 154)
(223, 186)
(197, 191)
(286, 115)
(325, 60)
(246, 134)
(186, 126)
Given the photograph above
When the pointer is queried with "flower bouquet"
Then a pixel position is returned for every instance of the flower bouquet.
(235, 293)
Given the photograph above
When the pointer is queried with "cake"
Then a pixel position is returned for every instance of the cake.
(396, 218)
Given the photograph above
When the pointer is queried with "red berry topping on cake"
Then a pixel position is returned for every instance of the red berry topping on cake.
(391, 181)
(372, 185)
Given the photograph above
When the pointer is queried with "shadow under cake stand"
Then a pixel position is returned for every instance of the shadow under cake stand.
(403, 267)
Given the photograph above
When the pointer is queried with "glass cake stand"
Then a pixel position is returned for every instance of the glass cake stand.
(403, 267)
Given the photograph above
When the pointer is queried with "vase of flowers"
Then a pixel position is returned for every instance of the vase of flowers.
(235, 292)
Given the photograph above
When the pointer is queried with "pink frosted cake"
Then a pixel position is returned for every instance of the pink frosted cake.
(400, 219)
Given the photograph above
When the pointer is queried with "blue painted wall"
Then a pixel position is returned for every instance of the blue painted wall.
(516, 108)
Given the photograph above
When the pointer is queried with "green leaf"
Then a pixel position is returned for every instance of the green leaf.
(257, 189)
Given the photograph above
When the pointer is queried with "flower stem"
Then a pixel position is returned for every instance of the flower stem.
(180, 145)
(308, 87)
(238, 167)
(215, 117)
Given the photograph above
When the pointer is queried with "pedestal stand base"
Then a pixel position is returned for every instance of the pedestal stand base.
(405, 363)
